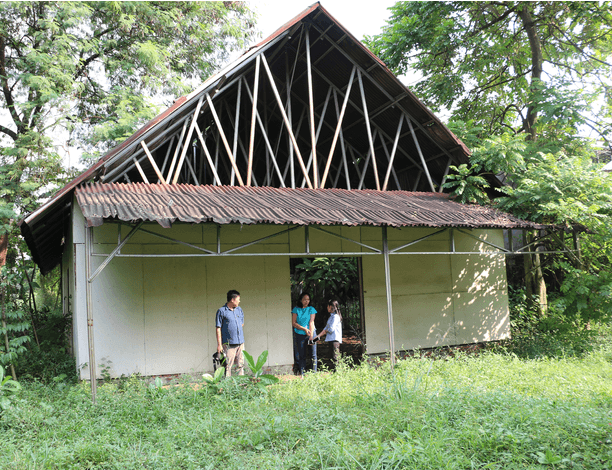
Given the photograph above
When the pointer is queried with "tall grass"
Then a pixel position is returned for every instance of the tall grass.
(491, 411)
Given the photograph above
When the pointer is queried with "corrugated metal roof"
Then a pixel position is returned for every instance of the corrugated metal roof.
(166, 204)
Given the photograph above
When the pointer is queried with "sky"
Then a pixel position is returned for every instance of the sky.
(359, 17)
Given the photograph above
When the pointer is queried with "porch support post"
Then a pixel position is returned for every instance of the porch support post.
(90, 328)
(389, 300)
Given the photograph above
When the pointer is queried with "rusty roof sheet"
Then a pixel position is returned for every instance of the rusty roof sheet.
(166, 204)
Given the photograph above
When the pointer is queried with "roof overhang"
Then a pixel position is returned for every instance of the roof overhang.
(167, 204)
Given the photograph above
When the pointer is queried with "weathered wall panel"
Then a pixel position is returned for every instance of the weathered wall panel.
(437, 299)
(156, 316)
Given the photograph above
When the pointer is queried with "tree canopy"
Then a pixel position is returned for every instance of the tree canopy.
(84, 74)
(522, 81)
(543, 68)
(89, 69)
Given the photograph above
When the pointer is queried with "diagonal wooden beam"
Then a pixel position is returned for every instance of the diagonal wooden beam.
(142, 174)
(266, 139)
(163, 168)
(253, 114)
(223, 138)
(446, 170)
(416, 142)
(179, 143)
(342, 146)
(238, 102)
(284, 114)
(386, 150)
(385, 92)
(207, 153)
(187, 139)
(313, 140)
(392, 157)
(152, 161)
(338, 127)
(367, 162)
(367, 122)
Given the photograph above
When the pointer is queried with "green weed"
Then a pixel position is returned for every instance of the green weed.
(491, 411)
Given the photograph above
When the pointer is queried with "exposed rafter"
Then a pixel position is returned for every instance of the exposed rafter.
(323, 112)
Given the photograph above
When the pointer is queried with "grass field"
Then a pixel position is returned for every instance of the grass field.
(492, 411)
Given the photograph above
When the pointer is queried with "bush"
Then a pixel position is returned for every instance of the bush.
(549, 334)
(51, 358)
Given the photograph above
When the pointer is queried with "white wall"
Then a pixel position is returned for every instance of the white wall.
(155, 316)
(437, 299)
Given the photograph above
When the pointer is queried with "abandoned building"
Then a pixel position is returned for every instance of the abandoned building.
(304, 146)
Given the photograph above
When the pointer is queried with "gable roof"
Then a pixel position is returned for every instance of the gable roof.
(317, 91)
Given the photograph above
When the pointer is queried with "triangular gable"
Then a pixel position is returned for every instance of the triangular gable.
(318, 91)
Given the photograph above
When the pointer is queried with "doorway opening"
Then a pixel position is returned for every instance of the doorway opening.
(337, 278)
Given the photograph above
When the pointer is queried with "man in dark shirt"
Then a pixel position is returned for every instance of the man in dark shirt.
(230, 337)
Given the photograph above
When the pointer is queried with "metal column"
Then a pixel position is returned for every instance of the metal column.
(389, 300)
(90, 329)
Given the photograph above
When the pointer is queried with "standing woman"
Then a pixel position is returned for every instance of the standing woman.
(303, 317)
(333, 329)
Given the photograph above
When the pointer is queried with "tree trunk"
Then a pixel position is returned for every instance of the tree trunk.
(536, 66)
(3, 253)
(534, 277)
(540, 285)
(528, 269)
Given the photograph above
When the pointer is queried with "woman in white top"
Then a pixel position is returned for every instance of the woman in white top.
(333, 329)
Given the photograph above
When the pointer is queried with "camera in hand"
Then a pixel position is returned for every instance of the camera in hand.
(313, 341)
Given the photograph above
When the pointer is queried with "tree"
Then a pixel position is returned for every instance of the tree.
(540, 68)
(521, 81)
(325, 279)
(89, 70)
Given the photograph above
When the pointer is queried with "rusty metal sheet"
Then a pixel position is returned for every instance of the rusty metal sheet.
(166, 204)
